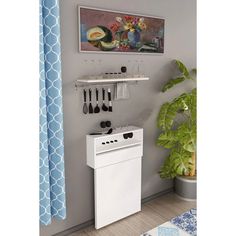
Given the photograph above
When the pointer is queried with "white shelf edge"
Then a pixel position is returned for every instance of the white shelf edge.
(104, 80)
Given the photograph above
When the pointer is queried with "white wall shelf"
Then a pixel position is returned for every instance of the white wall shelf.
(85, 81)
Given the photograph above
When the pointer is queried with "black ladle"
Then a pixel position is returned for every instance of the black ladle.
(85, 107)
(90, 104)
(109, 99)
(96, 109)
(104, 107)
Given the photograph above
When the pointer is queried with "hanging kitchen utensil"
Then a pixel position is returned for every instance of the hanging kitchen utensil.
(109, 99)
(109, 131)
(104, 107)
(85, 107)
(96, 109)
(90, 104)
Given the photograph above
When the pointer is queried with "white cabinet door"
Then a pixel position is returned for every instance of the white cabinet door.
(117, 191)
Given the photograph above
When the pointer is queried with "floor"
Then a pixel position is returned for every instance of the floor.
(153, 213)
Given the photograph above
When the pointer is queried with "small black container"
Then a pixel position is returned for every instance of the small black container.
(104, 124)
(123, 69)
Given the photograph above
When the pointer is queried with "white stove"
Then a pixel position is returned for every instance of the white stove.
(116, 160)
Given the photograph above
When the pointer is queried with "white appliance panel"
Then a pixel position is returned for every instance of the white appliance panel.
(117, 191)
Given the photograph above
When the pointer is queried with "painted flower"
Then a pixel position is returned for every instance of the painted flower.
(118, 19)
(115, 27)
(141, 20)
(142, 26)
(128, 26)
(129, 18)
(135, 21)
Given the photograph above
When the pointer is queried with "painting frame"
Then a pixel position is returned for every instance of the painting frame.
(81, 50)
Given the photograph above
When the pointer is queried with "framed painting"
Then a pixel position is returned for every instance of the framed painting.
(108, 31)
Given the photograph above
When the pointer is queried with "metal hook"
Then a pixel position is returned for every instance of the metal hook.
(76, 86)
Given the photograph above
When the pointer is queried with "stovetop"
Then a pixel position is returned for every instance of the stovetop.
(120, 137)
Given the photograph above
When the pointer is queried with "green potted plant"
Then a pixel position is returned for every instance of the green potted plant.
(177, 122)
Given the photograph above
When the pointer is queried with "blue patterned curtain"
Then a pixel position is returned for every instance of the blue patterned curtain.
(52, 181)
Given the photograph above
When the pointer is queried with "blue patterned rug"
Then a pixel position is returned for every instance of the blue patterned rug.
(182, 225)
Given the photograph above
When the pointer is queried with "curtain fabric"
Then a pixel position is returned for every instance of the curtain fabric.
(52, 181)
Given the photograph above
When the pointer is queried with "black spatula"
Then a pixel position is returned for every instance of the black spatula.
(85, 107)
(104, 107)
(96, 109)
(90, 104)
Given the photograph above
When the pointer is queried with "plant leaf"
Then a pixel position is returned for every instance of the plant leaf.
(167, 171)
(179, 162)
(187, 137)
(162, 116)
(172, 82)
(166, 116)
(182, 68)
(185, 74)
(167, 139)
(182, 161)
(190, 100)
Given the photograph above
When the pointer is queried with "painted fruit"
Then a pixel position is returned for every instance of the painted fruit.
(108, 46)
(97, 34)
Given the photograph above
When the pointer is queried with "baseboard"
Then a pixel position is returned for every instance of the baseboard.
(91, 222)
(75, 228)
(156, 195)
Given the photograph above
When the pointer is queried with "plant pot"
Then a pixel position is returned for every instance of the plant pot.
(134, 38)
(186, 187)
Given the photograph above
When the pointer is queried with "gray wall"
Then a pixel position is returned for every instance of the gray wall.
(141, 109)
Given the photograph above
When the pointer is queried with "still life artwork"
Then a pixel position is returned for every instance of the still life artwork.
(112, 31)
